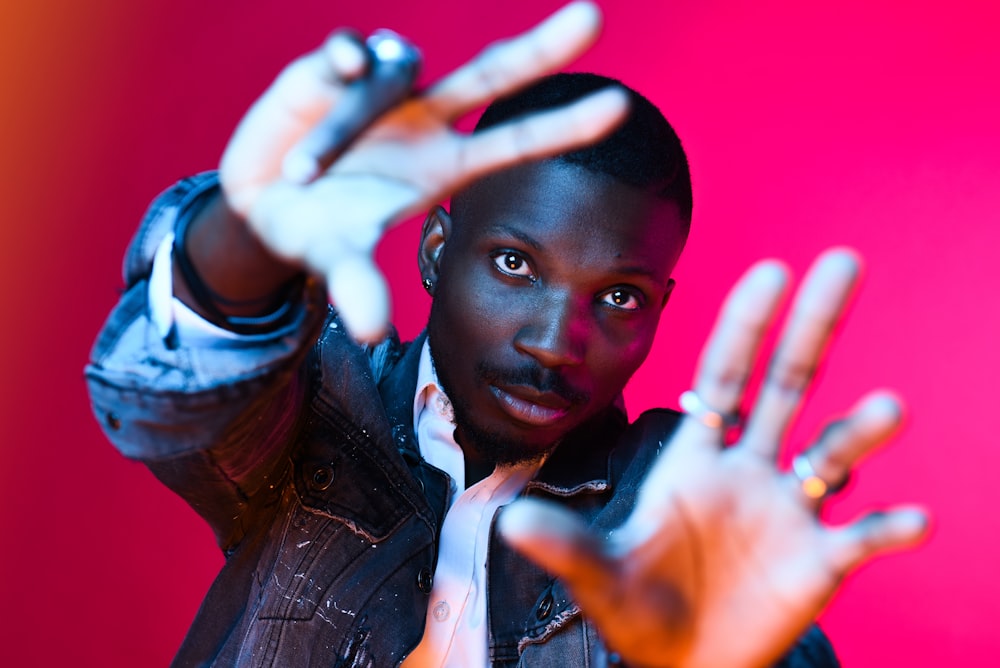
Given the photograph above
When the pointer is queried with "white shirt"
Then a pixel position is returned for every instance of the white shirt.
(455, 634)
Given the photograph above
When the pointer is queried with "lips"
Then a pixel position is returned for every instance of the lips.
(530, 406)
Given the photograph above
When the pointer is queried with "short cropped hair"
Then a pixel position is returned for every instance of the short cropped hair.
(644, 151)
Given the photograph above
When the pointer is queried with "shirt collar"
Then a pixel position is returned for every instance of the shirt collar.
(427, 383)
(429, 390)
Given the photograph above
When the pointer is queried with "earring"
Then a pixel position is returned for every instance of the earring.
(429, 286)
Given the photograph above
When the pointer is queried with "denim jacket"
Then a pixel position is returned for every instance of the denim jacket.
(298, 449)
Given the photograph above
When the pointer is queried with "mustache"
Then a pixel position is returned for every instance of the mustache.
(541, 379)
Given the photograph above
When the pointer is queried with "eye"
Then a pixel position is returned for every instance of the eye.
(623, 299)
(513, 264)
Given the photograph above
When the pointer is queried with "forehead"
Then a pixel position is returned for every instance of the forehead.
(572, 213)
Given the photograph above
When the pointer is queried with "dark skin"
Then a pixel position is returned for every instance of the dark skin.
(549, 284)
(232, 262)
(554, 281)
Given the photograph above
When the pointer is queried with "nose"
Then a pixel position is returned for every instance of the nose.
(556, 331)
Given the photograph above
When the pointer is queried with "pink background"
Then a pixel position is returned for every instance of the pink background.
(870, 123)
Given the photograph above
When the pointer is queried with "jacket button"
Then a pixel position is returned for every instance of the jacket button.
(544, 608)
(322, 477)
(425, 581)
(113, 421)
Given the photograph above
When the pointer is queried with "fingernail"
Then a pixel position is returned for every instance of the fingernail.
(299, 168)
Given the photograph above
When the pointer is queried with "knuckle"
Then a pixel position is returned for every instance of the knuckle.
(790, 376)
(728, 378)
(490, 78)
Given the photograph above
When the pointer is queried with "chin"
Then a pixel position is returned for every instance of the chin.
(504, 446)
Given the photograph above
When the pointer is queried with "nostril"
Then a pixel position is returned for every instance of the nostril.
(556, 344)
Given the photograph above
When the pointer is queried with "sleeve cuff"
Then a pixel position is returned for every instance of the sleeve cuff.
(174, 321)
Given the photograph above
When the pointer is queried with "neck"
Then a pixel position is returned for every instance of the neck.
(476, 470)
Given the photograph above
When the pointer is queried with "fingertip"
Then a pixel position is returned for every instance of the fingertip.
(842, 260)
(900, 528)
(843, 254)
(600, 112)
(366, 335)
(883, 405)
(582, 13)
(360, 295)
(299, 168)
(577, 24)
(770, 274)
(541, 530)
(552, 537)
(913, 523)
(346, 53)
(612, 100)
(527, 517)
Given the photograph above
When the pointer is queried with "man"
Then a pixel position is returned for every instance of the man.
(355, 490)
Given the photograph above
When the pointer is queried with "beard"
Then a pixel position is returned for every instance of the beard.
(490, 445)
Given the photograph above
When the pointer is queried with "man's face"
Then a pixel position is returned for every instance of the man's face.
(550, 283)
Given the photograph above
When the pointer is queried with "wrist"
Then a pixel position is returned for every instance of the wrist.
(222, 273)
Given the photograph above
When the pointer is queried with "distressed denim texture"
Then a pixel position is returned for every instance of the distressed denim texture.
(298, 449)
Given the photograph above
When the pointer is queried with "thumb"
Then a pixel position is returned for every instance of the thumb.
(558, 541)
(360, 294)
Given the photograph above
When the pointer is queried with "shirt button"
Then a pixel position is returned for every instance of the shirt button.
(425, 581)
(441, 611)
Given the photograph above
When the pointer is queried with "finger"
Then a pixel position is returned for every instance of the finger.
(360, 294)
(728, 358)
(345, 57)
(871, 422)
(876, 533)
(341, 58)
(301, 95)
(817, 309)
(308, 87)
(505, 66)
(394, 67)
(559, 542)
(543, 134)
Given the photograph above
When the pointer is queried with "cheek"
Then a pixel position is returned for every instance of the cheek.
(481, 309)
(466, 315)
(620, 352)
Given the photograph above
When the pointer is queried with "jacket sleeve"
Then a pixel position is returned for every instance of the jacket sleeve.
(811, 650)
(213, 423)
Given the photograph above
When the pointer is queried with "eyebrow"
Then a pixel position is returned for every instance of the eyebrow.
(516, 234)
(637, 271)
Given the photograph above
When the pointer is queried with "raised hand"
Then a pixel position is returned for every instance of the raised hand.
(408, 160)
(724, 561)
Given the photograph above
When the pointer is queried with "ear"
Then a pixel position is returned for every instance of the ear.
(433, 237)
(671, 284)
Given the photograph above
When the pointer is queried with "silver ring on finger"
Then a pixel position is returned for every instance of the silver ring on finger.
(810, 483)
(699, 410)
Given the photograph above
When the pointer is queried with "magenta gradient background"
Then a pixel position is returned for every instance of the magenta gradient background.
(867, 123)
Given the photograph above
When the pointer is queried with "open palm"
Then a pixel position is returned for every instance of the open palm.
(724, 561)
(410, 159)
